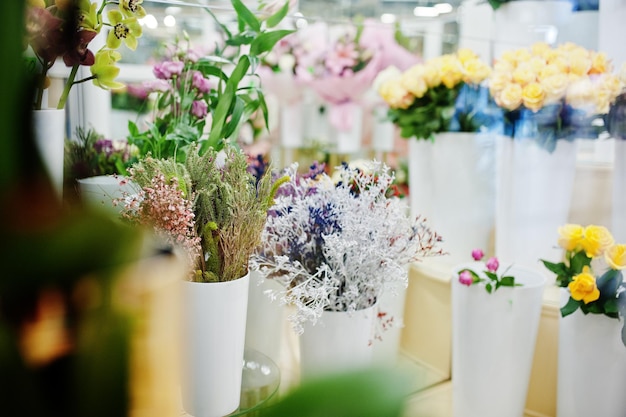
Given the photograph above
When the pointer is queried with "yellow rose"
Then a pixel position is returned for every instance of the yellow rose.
(383, 76)
(596, 239)
(394, 93)
(508, 56)
(498, 81)
(583, 287)
(464, 55)
(560, 62)
(612, 84)
(555, 87)
(570, 236)
(521, 55)
(615, 256)
(503, 65)
(548, 71)
(451, 74)
(537, 64)
(510, 97)
(539, 48)
(580, 93)
(579, 65)
(533, 96)
(524, 74)
(602, 102)
(413, 81)
(599, 63)
(431, 75)
(475, 71)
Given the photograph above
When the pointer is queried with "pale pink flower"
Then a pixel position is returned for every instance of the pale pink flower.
(198, 81)
(160, 86)
(199, 109)
(343, 56)
(168, 69)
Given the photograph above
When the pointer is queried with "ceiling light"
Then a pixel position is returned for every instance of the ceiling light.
(421, 11)
(169, 21)
(150, 21)
(387, 18)
(443, 8)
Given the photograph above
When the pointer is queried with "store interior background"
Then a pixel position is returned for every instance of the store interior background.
(431, 29)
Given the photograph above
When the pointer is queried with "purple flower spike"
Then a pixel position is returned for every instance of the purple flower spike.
(477, 254)
(493, 264)
(466, 278)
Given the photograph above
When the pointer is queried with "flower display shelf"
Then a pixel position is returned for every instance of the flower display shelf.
(259, 384)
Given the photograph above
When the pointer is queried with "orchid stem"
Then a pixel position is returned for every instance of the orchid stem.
(68, 86)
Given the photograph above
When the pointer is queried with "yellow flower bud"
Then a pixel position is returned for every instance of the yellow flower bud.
(570, 236)
(596, 239)
(615, 256)
(583, 287)
(533, 96)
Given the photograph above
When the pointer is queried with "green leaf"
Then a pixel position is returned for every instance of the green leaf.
(579, 261)
(507, 281)
(245, 15)
(244, 38)
(266, 41)
(264, 110)
(277, 17)
(558, 269)
(208, 69)
(488, 287)
(213, 59)
(236, 119)
(611, 306)
(225, 103)
(571, 306)
(491, 275)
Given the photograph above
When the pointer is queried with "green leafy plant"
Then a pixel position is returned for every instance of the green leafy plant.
(216, 90)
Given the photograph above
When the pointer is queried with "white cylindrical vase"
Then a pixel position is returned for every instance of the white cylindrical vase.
(383, 130)
(49, 132)
(266, 317)
(533, 194)
(106, 191)
(348, 138)
(493, 343)
(619, 191)
(591, 365)
(452, 184)
(214, 328)
(339, 341)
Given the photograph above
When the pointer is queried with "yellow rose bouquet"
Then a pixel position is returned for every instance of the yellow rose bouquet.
(554, 93)
(441, 95)
(589, 250)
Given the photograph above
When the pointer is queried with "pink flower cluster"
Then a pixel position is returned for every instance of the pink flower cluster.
(163, 207)
(492, 265)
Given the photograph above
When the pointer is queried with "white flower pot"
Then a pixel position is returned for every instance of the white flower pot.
(383, 130)
(266, 317)
(49, 132)
(339, 341)
(493, 343)
(291, 125)
(452, 184)
(348, 138)
(104, 190)
(591, 365)
(214, 327)
(619, 191)
(391, 306)
(533, 194)
(520, 23)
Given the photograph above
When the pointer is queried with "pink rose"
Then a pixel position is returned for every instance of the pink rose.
(466, 278)
(493, 264)
(166, 70)
(199, 109)
(477, 254)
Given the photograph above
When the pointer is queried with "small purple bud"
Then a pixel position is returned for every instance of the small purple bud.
(199, 109)
(466, 278)
(493, 264)
(477, 254)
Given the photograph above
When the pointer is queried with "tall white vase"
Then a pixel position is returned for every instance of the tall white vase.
(383, 130)
(493, 343)
(266, 317)
(339, 341)
(520, 23)
(619, 191)
(533, 195)
(348, 139)
(103, 190)
(292, 125)
(591, 365)
(49, 131)
(214, 327)
(452, 184)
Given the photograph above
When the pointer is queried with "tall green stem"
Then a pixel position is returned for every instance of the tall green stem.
(68, 86)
